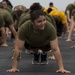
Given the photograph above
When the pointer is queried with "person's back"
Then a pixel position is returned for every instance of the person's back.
(46, 9)
(6, 20)
(68, 7)
(8, 9)
(60, 14)
(61, 21)
(24, 14)
(6, 17)
(24, 19)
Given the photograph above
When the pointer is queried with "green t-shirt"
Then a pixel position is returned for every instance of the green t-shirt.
(9, 9)
(24, 19)
(27, 17)
(24, 14)
(42, 38)
(5, 18)
(70, 7)
(73, 14)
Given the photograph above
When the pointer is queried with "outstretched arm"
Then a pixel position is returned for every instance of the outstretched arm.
(57, 54)
(4, 43)
(16, 56)
(68, 15)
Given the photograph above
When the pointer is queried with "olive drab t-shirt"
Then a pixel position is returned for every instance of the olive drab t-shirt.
(24, 19)
(70, 7)
(8, 9)
(1, 21)
(42, 38)
(27, 17)
(73, 14)
(5, 18)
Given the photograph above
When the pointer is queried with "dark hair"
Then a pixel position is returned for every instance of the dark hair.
(35, 6)
(34, 15)
(9, 3)
(51, 4)
(57, 19)
(49, 10)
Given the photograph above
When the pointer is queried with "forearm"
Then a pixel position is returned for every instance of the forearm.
(58, 57)
(65, 28)
(13, 30)
(3, 36)
(68, 15)
(16, 58)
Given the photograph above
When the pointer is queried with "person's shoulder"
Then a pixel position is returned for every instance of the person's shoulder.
(73, 11)
(26, 15)
(49, 24)
(69, 5)
(5, 11)
(8, 9)
(60, 11)
(54, 8)
(27, 23)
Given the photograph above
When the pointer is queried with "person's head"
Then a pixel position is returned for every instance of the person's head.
(49, 10)
(57, 19)
(18, 10)
(4, 3)
(35, 6)
(18, 13)
(8, 3)
(38, 19)
(51, 4)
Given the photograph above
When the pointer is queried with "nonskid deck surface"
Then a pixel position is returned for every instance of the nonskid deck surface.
(27, 68)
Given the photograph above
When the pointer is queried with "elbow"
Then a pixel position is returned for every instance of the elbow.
(18, 49)
(55, 49)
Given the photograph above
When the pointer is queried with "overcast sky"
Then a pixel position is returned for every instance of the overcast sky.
(60, 4)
